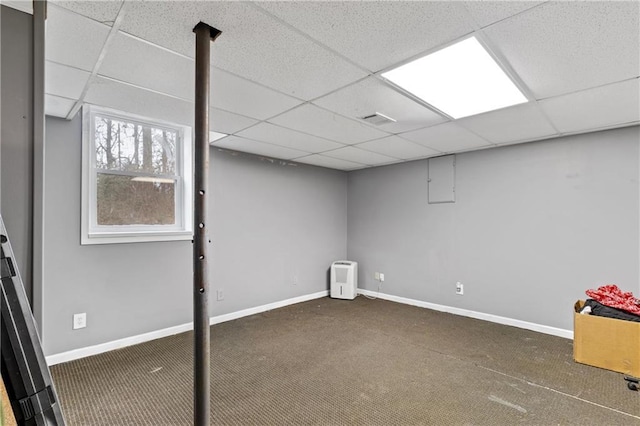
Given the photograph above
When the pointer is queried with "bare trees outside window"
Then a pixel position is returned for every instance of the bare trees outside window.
(136, 175)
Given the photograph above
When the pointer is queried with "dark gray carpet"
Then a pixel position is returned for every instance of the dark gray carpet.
(361, 362)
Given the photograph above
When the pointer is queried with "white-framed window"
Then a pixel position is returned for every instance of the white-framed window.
(136, 178)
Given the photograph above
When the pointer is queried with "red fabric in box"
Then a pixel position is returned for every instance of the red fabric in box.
(611, 295)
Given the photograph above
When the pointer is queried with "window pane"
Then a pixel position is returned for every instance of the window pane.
(126, 200)
(128, 146)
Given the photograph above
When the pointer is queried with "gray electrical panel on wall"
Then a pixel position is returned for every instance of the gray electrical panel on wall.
(442, 179)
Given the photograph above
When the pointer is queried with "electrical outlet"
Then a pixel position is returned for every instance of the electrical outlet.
(376, 276)
(381, 277)
(459, 288)
(220, 294)
(79, 320)
(294, 279)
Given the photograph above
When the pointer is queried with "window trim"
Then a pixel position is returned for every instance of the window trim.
(91, 232)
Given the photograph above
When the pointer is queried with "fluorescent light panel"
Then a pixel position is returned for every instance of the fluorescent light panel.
(460, 80)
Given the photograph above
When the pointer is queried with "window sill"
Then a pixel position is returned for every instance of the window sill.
(138, 237)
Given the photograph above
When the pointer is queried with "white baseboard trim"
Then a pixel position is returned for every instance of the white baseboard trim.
(268, 307)
(116, 344)
(567, 334)
(170, 331)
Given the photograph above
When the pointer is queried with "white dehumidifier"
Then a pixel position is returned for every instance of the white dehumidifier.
(344, 279)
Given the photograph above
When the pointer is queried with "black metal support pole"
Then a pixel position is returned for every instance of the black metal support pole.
(204, 35)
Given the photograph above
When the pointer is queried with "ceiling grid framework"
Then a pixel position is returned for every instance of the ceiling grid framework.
(292, 80)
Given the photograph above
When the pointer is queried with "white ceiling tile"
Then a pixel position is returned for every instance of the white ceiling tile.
(73, 39)
(516, 123)
(609, 105)
(102, 11)
(64, 81)
(222, 121)
(170, 24)
(228, 92)
(357, 155)
(126, 98)
(57, 106)
(25, 6)
(395, 146)
(266, 132)
(370, 96)
(294, 66)
(561, 47)
(526, 141)
(447, 137)
(214, 136)
(317, 121)
(288, 61)
(134, 61)
(260, 148)
(329, 162)
(235, 94)
(252, 45)
(488, 12)
(376, 35)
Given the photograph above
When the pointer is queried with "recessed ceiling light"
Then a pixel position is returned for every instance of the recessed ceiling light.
(460, 80)
(214, 136)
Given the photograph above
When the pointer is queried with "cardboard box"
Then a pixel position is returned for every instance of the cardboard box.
(606, 342)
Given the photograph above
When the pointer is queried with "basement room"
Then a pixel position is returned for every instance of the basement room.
(320, 212)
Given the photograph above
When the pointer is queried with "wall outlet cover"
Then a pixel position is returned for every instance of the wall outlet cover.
(79, 321)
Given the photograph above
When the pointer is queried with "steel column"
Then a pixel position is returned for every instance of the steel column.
(204, 35)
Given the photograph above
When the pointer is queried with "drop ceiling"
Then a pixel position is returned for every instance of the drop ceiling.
(292, 80)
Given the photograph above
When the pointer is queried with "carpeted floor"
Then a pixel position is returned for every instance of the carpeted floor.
(361, 362)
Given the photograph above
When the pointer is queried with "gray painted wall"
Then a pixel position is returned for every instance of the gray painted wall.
(269, 222)
(125, 289)
(17, 136)
(532, 228)
(276, 228)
